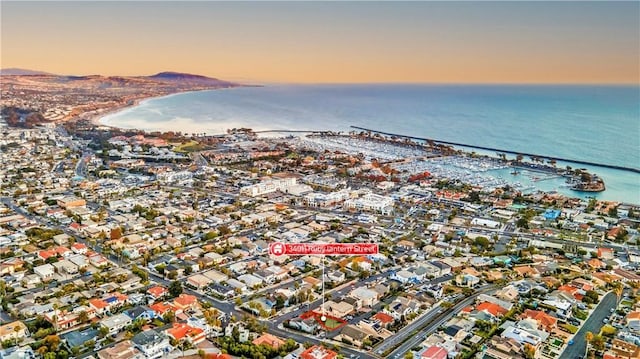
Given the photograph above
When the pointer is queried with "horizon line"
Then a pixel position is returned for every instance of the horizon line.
(250, 82)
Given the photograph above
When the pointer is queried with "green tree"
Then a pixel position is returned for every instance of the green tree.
(175, 288)
(83, 316)
(169, 317)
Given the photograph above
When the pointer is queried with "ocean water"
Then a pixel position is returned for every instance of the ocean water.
(592, 123)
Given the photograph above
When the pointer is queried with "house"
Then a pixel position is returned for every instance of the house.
(605, 253)
(523, 335)
(63, 252)
(141, 312)
(68, 202)
(633, 321)
(383, 318)
(491, 299)
(268, 339)
(467, 280)
(508, 293)
(434, 352)
(202, 323)
(98, 260)
(182, 331)
(216, 276)
(157, 292)
(152, 344)
(493, 309)
(222, 290)
(79, 260)
(237, 285)
(162, 308)
(401, 307)
(79, 248)
(624, 349)
(318, 352)
(99, 306)
(352, 334)
(13, 331)
(11, 265)
(366, 296)
(339, 310)
(198, 281)
(308, 325)
(65, 267)
(265, 276)
(443, 269)
(563, 306)
(404, 276)
(123, 350)
(185, 302)
(78, 338)
(115, 300)
(435, 290)
(61, 239)
(116, 323)
(503, 348)
(46, 254)
(45, 271)
(243, 332)
(544, 320)
(311, 282)
(250, 280)
(336, 276)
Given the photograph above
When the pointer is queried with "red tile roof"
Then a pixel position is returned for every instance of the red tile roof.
(492, 308)
(384, 318)
(157, 291)
(185, 300)
(181, 331)
(541, 317)
(268, 339)
(435, 352)
(161, 308)
(318, 352)
(98, 303)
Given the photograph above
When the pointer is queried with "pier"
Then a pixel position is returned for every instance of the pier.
(580, 162)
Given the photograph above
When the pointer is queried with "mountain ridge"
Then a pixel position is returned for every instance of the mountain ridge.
(14, 71)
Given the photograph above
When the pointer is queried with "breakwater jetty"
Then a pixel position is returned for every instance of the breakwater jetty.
(581, 162)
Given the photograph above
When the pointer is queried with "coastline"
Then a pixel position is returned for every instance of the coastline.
(97, 119)
(621, 185)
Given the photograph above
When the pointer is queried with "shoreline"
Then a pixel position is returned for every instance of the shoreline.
(97, 119)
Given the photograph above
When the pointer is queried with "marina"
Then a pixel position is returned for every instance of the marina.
(580, 162)
(481, 172)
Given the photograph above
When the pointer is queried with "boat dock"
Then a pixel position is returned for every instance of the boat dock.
(580, 162)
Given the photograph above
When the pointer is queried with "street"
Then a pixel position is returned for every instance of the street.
(592, 324)
(433, 320)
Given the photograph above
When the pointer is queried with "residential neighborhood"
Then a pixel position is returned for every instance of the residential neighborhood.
(117, 245)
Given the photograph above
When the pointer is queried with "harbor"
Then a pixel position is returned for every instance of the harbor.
(483, 172)
(531, 155)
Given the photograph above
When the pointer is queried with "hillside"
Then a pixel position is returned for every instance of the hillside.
(22, 72)
(188, 78)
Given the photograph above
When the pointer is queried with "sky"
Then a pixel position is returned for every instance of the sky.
(330, 42)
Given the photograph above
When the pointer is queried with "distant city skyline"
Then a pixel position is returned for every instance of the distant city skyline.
(330, 42)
